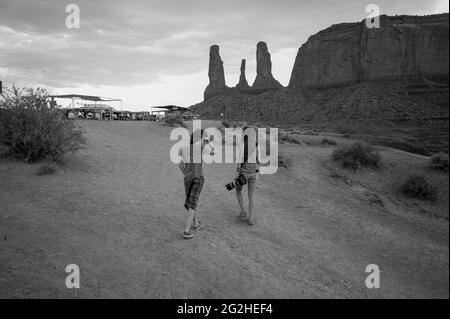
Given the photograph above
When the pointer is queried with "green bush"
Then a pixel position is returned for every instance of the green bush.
(174, 120)
(357, 155)
(33, 130)
(419, 186)
(439, 161)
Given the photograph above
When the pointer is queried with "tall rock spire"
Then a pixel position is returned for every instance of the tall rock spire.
(243, 84)
(264, 78)
(216, 74)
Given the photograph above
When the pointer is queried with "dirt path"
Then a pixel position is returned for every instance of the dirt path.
(116, 211)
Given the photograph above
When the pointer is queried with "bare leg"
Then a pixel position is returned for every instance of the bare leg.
(196, 219)
(251, 200)
(240, 200)
(190, 219)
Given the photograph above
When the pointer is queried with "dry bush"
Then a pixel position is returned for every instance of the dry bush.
(33, 130)
(439, 162)
(47, 169)
(287, 138)
(419, 186)
(357, 155)
(174, 120)
(284, 161)
(328, 141)
(416, 148)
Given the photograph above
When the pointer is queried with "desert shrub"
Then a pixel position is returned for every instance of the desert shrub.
(284, 161)
(356, 155)
(328, 141)
(439, 161)
(240, 124)
(306, 142)
(416, 148)
(345, 130)
(418, 186)
(287, 138)
(47, 169)
(174, 120)
(4, 150)
(33, 130)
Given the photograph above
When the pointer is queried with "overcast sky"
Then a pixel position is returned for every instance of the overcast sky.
(152, 52)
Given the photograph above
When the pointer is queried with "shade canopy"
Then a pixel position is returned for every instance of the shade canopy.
(84, 97)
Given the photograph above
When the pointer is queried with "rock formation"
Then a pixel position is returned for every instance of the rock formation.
(350, 73)
(243, 84)
(215, 73)
(404, 47)
(264, 78)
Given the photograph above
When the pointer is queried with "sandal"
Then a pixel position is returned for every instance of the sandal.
(242, 215)
(188, 235)
(199, 226)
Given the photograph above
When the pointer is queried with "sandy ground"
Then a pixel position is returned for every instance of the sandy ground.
(116, 210)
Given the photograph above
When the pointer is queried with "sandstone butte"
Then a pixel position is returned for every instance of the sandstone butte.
(344, 71)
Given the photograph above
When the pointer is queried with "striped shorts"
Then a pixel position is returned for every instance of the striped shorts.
(193, 186)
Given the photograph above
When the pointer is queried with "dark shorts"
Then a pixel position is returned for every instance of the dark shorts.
(193, 186)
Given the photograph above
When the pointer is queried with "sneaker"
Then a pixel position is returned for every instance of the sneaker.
(188, 235)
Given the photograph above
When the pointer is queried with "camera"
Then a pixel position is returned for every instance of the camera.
(240, 180)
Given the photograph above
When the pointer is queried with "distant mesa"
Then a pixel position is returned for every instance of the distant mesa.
(345, 72)
(403, 48)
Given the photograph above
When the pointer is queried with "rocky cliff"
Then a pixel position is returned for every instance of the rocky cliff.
(347, 72)
(216, 73)
(243, 83)
(404, 47)
(264, 78)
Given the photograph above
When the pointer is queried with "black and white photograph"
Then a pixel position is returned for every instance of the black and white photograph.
(224, 155)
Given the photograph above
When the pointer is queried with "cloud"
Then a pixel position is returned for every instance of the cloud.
(149, 43)
(441, 6)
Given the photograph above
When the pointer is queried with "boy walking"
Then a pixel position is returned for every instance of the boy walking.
(193, 180)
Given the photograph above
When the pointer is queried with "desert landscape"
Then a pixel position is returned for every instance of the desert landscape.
(88, 102)
(387, 85)
(115, 209)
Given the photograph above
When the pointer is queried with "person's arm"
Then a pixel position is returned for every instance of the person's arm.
(258, 158)
(258, 152)
(181, 164)
(181, 167)
(208, 148)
